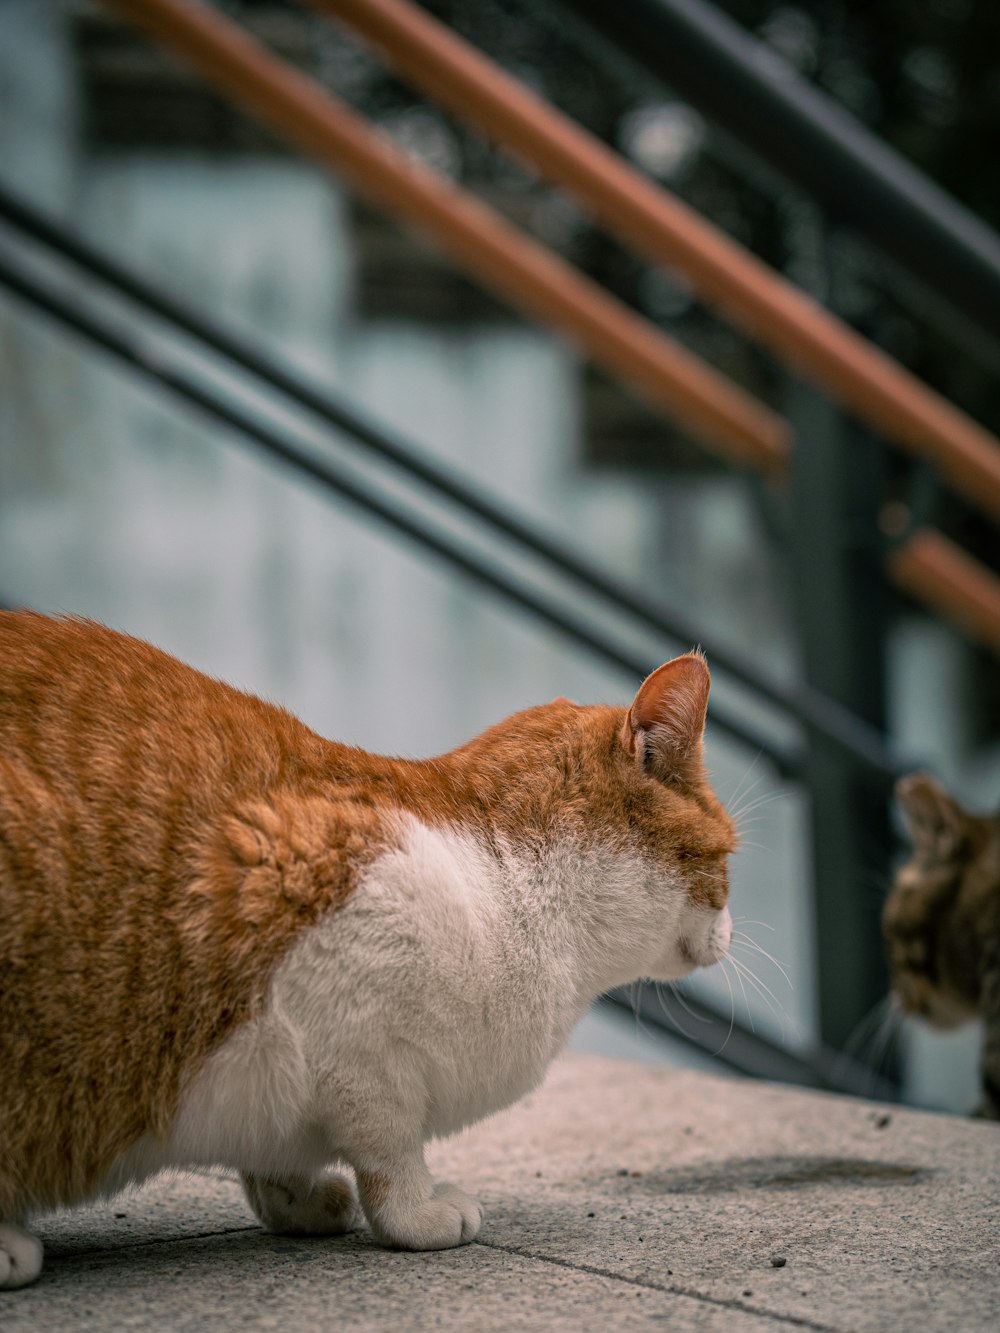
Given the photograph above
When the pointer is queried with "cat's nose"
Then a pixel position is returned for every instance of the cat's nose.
(722, 934)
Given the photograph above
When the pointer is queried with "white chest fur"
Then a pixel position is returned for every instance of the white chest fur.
(438, 993)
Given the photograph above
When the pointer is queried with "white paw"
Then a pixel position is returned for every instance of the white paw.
(20, 1257)
(449, 1217)
(327, 1208)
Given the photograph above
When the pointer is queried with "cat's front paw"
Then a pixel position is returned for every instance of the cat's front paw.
(448, 1218)
(301, 1208)
(20, 1257)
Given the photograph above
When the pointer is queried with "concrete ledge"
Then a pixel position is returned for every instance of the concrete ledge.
(619, 1196)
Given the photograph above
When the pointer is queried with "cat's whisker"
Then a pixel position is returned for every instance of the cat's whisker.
(766, 798)
(741, 802)
(678, 995)
(866, 1028)
(689, 1037)
(868, 1042)
(741, 939)
(642, 1029)
(880, 1042)
(748, 921)
(746, 999)
(633, 994)
(747, 773)
(749, 825)
(744, 971)
(749, 830)
(732, 1013)
(754, 980)
(892, 1019)
(887, 1035)
(669, 1014)
(732, 802)
(880, 1045)
(896, 1022)
(851, 1052)
(766, 994)
(753, 815)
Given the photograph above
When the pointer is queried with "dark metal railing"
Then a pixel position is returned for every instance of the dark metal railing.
(715, 1034)
(685, 1018)
(807, 707)
(765, 103)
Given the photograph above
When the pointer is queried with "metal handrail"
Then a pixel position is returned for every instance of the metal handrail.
(930, 567)
(522, 272)
(807, 706)
(152, 362)
(762, 100)
(767, 306)
(481, 243)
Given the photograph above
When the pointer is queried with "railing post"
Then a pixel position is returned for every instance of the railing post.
(840, 592)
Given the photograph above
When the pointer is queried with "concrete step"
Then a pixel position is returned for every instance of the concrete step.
(618, 1196)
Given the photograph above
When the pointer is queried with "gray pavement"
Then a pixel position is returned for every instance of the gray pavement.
(619, 1196)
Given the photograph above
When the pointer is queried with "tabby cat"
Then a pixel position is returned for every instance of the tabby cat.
(225, 940)
(942, 921)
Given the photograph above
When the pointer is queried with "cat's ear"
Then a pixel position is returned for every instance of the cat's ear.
(663, 729)
(932, 818)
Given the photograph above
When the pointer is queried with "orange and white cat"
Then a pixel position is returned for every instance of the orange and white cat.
(225, 940)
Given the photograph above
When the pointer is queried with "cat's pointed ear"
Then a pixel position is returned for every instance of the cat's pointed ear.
(932, 818)
(663, 729)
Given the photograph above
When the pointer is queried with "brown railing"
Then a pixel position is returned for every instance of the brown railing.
(521, 271)
(941, 574)
(726, 275)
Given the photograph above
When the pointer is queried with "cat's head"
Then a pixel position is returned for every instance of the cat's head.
(932, 917)
(616, 809)
(635, 797)
(684, 829)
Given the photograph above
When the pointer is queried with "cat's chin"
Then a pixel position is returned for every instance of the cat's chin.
(675, 971)
(935, 1012)
(695, 951)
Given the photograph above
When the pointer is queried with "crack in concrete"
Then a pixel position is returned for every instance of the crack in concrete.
(668, 1288)
(592, 1270)
(118, 1243)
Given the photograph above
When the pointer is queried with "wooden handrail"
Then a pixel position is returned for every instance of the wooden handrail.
(519, 269)
(768, 307)
(946, 578)
(525, 274)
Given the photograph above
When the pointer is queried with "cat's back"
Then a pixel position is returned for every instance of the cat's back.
(44, 660)
(77, 695)
(116, 759)
(114, 729)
